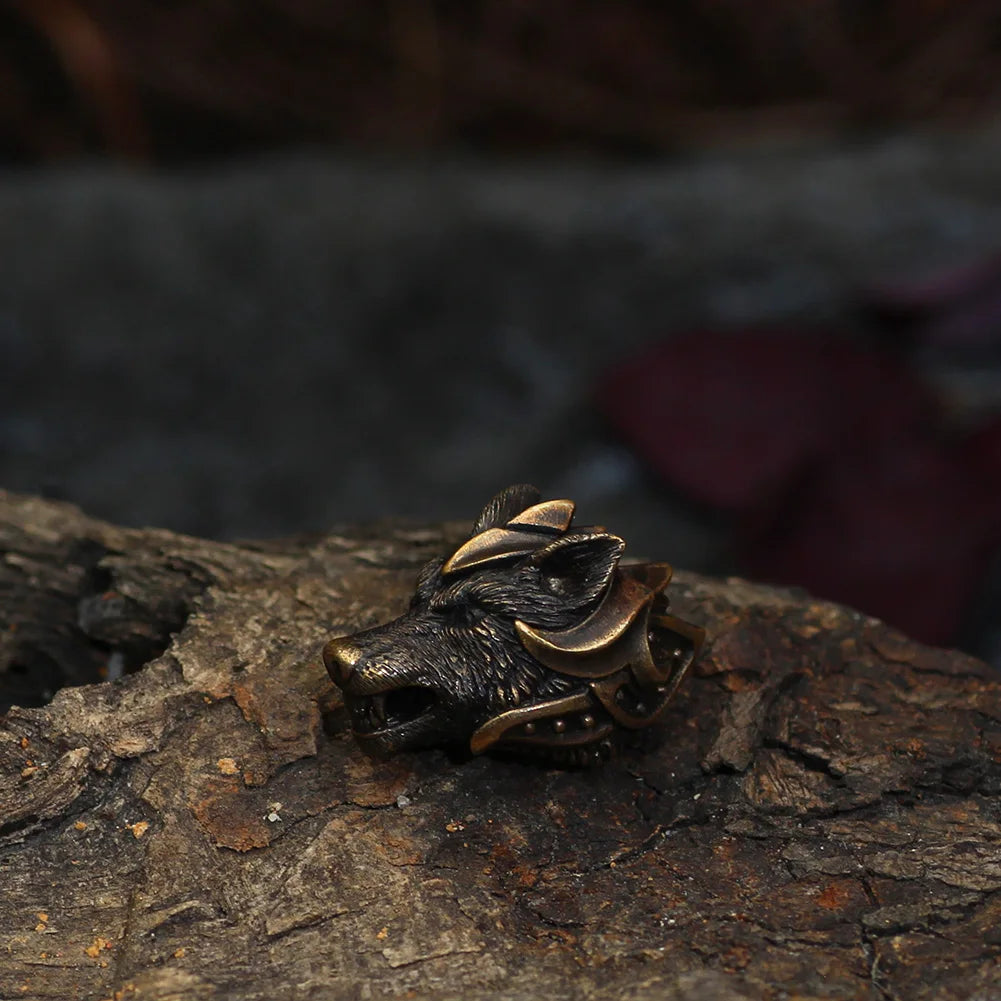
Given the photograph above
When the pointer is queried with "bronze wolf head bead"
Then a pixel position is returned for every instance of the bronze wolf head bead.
(531, 636)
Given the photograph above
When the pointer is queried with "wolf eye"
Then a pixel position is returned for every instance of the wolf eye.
(451, 613)
(458, 613)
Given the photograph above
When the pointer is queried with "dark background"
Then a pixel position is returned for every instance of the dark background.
(271, 266)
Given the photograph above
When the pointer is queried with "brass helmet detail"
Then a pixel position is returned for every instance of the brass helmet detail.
(629, 650)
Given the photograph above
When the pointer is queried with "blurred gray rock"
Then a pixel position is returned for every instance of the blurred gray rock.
(271, 347)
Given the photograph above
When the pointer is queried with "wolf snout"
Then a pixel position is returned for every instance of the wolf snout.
(340, 656)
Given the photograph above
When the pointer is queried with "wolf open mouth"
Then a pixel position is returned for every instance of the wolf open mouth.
(389, 710)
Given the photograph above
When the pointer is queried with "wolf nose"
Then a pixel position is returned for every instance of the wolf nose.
(339, 657)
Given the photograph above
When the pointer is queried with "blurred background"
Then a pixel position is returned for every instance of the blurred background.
(727, 274)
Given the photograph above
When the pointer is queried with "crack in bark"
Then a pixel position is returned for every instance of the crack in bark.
(869, 946)
(810, 761)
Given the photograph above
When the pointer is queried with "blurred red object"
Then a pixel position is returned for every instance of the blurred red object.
(830, 458)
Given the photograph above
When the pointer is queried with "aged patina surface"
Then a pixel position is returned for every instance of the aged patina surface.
(819, 816)
(530, 637)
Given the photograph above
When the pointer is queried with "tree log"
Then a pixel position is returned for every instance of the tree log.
(818, 815)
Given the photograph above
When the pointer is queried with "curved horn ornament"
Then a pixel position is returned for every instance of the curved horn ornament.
(529, 637)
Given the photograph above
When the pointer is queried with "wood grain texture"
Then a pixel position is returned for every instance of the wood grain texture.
(818, 816)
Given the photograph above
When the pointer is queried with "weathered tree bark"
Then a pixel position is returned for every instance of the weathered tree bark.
(818, 816)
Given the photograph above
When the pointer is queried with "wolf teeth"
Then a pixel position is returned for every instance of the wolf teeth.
(369, 713)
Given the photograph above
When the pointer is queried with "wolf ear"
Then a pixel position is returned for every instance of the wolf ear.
(505, 506)
(577, 568)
